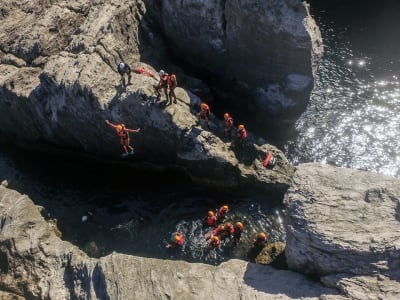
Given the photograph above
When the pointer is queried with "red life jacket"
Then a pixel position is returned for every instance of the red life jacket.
(172, 82)
(229, 230)
(228, 122)
(242, 134)
(123, 134)
(164, 80)
(221, 213)
(215, 244)
(237, 230)
(218, 231)
(211, 221)
(180, 242)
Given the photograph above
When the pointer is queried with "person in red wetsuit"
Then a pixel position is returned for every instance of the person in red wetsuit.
(204, 114)
(241, 135)
(237, 231)
(228, 126)
(178, 240)
(222, 213)
(162, 85)
(123, 133)
(260, 241)
(214, 242)
(172, 84)
(210, 220)
(228, 230)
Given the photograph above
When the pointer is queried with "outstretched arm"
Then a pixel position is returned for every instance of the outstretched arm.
(111, 124)
(132, 130)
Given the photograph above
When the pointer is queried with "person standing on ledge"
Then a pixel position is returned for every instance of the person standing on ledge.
(241, 135)
(124, 68)
(228, 124)
(123, 133)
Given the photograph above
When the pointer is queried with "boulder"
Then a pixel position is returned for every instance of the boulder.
(247, 45)
(59, 83)
(344, 226)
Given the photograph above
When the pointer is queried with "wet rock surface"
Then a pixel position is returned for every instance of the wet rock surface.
(343, 225)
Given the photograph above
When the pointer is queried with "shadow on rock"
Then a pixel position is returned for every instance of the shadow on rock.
(295, 286)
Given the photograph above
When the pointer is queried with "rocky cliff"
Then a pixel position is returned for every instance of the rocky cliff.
(59, 83)
(269, 48)
(344, 226)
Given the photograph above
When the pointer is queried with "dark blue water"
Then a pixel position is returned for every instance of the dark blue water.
(352, 119)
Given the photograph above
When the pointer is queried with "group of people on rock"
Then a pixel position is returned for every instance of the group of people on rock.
(221, 229)
(241, 133)
(167, 83)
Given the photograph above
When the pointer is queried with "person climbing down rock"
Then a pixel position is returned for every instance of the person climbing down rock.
(204, 114)
(124, 68)
(178, 240)
(172, 84)
(162, 85)
(228, 126)
(241, 135)
(123, 133)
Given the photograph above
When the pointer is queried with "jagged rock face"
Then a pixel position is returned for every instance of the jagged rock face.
(344, 224)
(252, 42)
(255, 41)
(59, 83)
(36, 264)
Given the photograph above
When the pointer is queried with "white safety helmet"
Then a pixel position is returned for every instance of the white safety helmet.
(121, 65)
(162, 73)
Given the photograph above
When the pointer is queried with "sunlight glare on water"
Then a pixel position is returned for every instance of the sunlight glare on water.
(352, 119)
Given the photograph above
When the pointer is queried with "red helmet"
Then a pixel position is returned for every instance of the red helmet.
(239, 224)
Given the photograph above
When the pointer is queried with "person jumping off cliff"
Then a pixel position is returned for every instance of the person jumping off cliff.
(123, 133)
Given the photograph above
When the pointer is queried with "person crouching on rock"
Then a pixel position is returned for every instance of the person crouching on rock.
(178, 240)
(123, 133)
